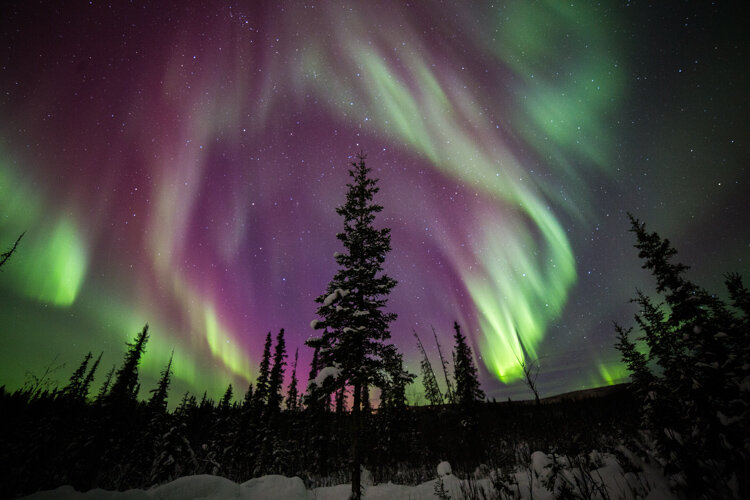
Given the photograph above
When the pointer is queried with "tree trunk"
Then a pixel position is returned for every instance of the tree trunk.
(356, 461)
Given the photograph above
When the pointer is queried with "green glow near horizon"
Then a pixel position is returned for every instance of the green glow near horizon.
(613, 373)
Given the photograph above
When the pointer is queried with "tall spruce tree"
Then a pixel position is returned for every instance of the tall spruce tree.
(468, 391)
(355, 326)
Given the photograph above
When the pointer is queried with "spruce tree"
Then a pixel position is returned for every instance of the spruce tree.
(226, 400)
(104, 389)
(261, 384)
(292, 397)
(468, 391)
(158, 401)
(450, 394)
(73, 389)
(86, 385)
(153, 443)
(393, 392)
(247, 400)
(355, 326)
(276, 376)
(125, 387)
(431, 389)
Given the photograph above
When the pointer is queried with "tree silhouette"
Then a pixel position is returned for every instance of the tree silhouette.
(292, 398)
(690, 372)
(431, 389)
(276, 376)
(355, 325)
(158, 401)
(468, 391)
(450, 394)
(264, 372)
(125, 387)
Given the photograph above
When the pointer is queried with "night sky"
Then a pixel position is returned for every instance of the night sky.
(179, 163)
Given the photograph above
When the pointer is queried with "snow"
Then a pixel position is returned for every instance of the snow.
(314, 323)
(271, 487)
(338, 293)
(444, 469)
(193, 487)
(328, 371)
(329, 300)
(526, 482)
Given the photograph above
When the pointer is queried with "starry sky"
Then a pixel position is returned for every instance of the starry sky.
(179, 163)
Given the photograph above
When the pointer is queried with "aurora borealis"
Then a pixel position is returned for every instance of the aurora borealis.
(178, 163)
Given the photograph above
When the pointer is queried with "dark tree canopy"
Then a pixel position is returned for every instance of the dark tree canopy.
(468, 391)
(689, 370)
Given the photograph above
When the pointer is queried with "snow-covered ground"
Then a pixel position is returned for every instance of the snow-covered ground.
(545, 477)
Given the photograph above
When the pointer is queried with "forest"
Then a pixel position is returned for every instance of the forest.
(685, 412)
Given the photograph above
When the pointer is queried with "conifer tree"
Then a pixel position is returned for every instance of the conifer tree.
(292, 398)
(86, 385)
(75, 384)
(354, 322)
(158, 401)
(450, 394)
(431, 389)
(393, 392)
(261, 384)
(276, 376)
(313, 395)
(247, 400)
(152, 444)
(468, 391)
(125, 387)
(104, 389)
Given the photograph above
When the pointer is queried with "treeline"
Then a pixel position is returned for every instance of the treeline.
(115, 440)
